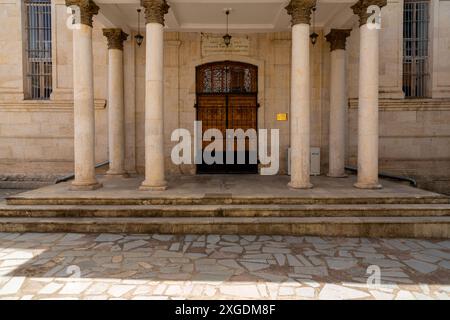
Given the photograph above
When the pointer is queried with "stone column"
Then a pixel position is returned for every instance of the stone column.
(338, 102)
(368, 96)
(116, 113)
(154, 94)
(83, 96)
(300, 12)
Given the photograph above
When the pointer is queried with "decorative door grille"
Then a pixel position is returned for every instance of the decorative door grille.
(227, 77)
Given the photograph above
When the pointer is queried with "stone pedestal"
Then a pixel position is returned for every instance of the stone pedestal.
(300, 11)
(116, 112)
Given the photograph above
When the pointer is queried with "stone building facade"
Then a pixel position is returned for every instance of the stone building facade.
(37, 136)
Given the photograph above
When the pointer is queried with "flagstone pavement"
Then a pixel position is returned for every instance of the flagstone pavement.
(120, 266)
(9, 192)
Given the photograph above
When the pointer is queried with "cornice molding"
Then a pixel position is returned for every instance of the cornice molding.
(45, 105)
(407, 104)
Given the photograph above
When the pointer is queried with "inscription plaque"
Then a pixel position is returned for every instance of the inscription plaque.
(214, 45)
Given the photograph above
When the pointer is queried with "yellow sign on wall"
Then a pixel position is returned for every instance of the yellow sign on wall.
(282, 116)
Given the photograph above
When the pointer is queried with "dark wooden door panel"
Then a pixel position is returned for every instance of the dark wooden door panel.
(242, 114)
(212, 111)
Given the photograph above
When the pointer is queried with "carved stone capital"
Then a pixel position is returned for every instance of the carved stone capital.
(300, 11)
(155, 10)
(87, 8)
(360, 9)
(115, 37)
(337, 38)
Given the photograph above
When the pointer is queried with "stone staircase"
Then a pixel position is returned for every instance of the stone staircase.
(423, 216)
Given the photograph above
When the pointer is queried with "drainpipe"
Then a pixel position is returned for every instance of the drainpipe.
(72, 175)
(412, 181)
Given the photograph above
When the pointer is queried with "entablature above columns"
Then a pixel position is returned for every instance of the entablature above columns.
(246, 16)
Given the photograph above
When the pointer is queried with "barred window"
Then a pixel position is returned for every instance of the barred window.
(38, 49)
(415, 48)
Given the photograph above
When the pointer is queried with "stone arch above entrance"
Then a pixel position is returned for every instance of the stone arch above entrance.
(260, 64)
(227, 77)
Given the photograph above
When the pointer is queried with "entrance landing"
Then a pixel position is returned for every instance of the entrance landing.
(227, 204)
(229, 189)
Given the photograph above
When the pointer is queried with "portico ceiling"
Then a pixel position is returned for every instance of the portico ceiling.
(209, 16)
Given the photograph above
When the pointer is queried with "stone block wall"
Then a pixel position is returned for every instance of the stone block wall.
(414, 133)
(414, 140)
(37, 137)
(269, 51)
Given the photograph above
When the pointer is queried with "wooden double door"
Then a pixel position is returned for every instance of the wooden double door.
(229, 111)
(228, 101)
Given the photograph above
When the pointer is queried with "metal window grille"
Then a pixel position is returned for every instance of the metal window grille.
(415, 48)
(39, 49)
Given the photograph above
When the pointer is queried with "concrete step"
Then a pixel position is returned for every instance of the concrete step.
(225, 199)
(428, 227)
(316, 210)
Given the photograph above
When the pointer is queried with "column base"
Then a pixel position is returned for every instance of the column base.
(337, 175)
(85, 187)
(122, 174)
(372, 186)
(160, 186)
(294, 185)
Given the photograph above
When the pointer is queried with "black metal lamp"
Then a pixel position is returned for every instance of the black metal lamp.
(227, 37)
(139, 37)
(313, 36)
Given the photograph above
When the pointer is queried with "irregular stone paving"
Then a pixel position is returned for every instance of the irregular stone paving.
(119, 266)
(4, 193)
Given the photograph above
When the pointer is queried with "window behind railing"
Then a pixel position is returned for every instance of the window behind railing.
(38, 49)
(416, 48)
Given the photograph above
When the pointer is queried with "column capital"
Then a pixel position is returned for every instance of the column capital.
(115, 37)
(88, 9)
(155, 10)
(337, 38)
(360, 9)
(300, 11)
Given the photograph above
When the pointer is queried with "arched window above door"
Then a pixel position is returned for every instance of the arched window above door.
(227, 77)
